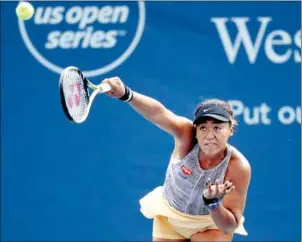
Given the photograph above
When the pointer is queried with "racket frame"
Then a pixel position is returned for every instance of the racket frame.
(97, 89)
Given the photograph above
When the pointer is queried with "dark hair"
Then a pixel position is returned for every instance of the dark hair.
(220, 103)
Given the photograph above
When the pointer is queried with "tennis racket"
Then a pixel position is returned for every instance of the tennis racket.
(77, 94)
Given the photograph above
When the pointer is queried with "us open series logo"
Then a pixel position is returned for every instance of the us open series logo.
(97, 37)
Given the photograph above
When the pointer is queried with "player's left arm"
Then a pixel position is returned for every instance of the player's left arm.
(228, 215)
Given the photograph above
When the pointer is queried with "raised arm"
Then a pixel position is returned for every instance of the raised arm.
(154, 111)
(158, 114)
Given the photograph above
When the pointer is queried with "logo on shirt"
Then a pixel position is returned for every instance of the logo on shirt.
(186, 171)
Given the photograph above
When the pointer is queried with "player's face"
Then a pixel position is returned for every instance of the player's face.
(212, 136)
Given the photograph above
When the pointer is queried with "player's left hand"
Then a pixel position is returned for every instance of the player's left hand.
(218, 190)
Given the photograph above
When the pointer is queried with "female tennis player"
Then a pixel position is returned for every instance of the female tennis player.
(207, 179)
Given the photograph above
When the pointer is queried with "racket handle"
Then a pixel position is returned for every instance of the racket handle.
(104, 87)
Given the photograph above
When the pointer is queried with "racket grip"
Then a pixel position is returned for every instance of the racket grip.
(104, 87)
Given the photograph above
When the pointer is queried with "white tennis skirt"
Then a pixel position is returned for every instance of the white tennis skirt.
(154, 204)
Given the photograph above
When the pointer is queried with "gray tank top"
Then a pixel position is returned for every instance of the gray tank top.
(186, 180)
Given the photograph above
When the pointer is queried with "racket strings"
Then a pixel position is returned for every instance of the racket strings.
(76, 95)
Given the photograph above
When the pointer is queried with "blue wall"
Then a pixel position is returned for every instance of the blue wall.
(61, 181)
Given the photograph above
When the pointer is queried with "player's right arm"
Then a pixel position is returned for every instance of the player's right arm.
(158, 114)
(179, 127)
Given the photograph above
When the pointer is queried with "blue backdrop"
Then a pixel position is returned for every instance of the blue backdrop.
(61, 181)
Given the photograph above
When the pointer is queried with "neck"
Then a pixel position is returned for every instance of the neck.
(207, 162)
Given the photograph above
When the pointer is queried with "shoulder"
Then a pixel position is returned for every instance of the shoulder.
(239, 166)
(185, 140)
(181, 125)
(238, 160)
(186, 124)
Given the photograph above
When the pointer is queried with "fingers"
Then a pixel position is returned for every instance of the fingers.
(209, 185)
(107, 81)
(117, 87)
(213, 187)
(218, 190)
(217, 186)
(228, 184)
(113, 82)
(228, 187)
(229, 190)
